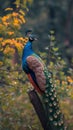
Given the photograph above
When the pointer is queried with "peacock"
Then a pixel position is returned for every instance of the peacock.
(41, 79)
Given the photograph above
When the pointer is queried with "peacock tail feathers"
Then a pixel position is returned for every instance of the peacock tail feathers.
(53, 112)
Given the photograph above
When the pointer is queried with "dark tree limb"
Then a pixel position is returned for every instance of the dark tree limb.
(38, 106)
(68, 21)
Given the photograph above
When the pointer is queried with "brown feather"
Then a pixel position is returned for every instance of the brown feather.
(38, 68)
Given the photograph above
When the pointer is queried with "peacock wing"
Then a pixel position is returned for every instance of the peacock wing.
(38, 68)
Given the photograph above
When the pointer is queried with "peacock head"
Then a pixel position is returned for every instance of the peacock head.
(31, 36)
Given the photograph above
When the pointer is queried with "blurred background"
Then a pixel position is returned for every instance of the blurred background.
(45, 15)
(52, 22)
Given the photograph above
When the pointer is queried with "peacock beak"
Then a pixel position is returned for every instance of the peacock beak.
(35, 39)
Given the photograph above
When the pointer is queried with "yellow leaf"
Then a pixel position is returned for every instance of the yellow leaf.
(1, 63)
(4, 18)
(8, 50)
(6, 23)
(22, 18)
(69, 79)
(10, 33)
(1, 39)
(16, 22)
(1, 26)
(22, 12)
(8, 9)
(14, 14)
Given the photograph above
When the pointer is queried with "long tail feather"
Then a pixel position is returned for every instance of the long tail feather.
(54, 115)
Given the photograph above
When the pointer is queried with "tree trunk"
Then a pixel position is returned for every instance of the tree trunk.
(39, 108)
(68, 21)
(15, 59)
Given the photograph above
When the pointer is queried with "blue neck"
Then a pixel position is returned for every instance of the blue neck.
(27, 50)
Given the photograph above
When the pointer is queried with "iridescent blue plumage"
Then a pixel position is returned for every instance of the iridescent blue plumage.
(27, 51)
